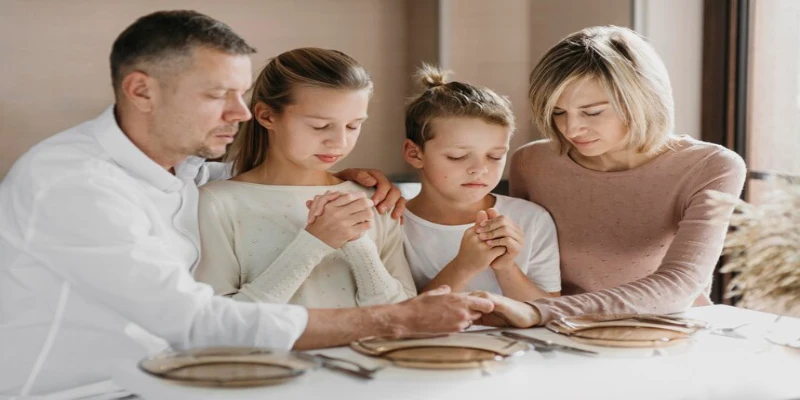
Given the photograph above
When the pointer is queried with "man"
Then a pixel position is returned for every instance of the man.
(99, 232)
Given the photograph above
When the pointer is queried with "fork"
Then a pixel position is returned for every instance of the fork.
(360, 371)
(546, 345)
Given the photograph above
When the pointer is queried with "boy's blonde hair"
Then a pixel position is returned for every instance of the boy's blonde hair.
(452, 99)
(625, 65)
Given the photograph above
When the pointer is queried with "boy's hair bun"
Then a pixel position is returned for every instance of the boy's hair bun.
(431, 76)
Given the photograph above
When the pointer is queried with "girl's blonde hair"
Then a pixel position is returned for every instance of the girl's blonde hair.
(452, 99)
(274, 86)
(627, 67)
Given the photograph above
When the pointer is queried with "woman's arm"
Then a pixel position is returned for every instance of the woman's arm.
(687, 267)
(220, 267)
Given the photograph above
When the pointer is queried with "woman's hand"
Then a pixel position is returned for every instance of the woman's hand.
(499, 231)
(344, 217)
(387, 196)
(507, 312)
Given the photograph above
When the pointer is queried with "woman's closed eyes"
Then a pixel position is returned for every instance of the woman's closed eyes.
(586, 113)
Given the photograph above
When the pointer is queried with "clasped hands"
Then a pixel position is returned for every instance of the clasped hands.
(337, 218)
(494, 241)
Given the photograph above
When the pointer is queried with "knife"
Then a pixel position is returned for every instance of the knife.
(330, 363)
(548, 344)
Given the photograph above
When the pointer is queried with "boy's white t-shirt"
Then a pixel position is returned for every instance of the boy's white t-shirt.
(429, 247)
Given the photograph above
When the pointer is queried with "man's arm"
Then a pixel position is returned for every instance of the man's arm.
(90, 231)
(435, 311)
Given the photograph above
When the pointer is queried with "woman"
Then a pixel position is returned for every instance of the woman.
(628, 197)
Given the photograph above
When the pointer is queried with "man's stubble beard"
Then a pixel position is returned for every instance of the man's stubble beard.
(204, 151)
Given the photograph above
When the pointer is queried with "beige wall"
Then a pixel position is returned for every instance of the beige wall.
(55, 54)
(55, 73)
(499, 32)
(675, 29)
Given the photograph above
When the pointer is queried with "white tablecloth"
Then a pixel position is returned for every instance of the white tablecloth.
(714, 367)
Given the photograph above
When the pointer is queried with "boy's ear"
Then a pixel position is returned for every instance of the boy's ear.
(264, 115)
(412, 154)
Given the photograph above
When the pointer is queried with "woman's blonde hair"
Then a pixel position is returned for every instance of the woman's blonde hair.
(452, 99)
(274, 86)
(626, 66)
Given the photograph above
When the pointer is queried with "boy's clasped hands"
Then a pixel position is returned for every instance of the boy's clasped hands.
(494, 241)
(337, 218)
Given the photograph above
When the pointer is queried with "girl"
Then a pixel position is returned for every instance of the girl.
(258, 241)
(457, 137)
(628, 196)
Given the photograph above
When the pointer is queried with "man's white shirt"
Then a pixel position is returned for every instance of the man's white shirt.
(97, 246)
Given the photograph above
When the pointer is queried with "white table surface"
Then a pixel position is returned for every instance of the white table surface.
(713, 367)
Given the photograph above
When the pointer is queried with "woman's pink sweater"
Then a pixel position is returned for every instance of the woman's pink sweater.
(635, 241)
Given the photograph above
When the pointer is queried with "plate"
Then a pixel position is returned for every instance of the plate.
(628, 330)
(441, 351)
(227, 366)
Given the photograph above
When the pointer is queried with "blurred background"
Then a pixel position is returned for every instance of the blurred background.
(734, 64)
(55, 70)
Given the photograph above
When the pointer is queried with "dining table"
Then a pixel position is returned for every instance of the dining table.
(744, 354)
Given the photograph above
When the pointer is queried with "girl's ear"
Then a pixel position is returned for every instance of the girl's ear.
(412, 154)
(265, 115)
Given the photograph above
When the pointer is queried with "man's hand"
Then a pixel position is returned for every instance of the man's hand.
(387, 196)
(507, 312)
(439, 310)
